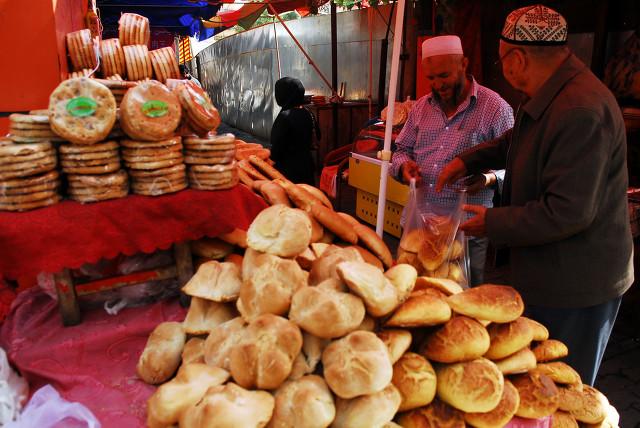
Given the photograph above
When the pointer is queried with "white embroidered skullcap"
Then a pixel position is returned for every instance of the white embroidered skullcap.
(441, 45)
(535, 25)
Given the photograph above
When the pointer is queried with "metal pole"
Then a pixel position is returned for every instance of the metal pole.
(385, 155)
(334, 73)
(275, 37)
(313, 64)
(382, 75)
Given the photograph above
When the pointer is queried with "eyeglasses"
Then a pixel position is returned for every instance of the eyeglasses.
(499, 60)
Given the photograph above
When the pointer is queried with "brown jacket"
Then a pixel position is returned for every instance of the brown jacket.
(566, 217)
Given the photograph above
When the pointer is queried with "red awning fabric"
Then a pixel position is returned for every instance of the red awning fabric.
(247, 14)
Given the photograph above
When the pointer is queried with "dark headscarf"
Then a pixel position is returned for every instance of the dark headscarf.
(289, 93)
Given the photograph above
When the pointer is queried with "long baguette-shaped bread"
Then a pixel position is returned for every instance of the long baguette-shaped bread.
(317, 193)
(273, 193)
(244, 178)
(299, 196)
(267, 169)
(332, 221)
(373, 242)
(250, 170)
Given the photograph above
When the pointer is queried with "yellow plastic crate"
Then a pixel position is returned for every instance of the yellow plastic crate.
(364, 175)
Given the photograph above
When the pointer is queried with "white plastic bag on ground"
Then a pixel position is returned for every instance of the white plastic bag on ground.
(47, 409)
(13, 391)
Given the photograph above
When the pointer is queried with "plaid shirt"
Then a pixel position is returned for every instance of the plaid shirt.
(433, 140)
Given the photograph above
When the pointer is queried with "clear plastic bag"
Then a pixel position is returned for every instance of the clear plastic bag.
(14, 391)
(47, 409)
(431, 241)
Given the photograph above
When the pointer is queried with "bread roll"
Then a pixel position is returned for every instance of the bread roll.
(538, 395)
(471, 386)
(264, 355)
(215, 281)
(326, 313)
(415, 379)
(495, 303)
(220, 342)
(367, 324)
(412, 240)
(274, 194)
(403, 277)
(328, 258)
(379, 295)
(204, 315)
(434, 250)
(562, 419)
(269, 287)
(460, 339)
(502, 414)
(306, 402)
(447, 286)
(559, 372)
(540, 332)
(368, 257)
(193, 351)
(370, 239)
(211, 248)
(520, 362)
(435, 415)
(171, 399)
(317, 231)
(357, 364)
(372, 410)
(161, 355)
(306, 258)
(549, 350)
(280, 230)
(421, 309)
(570, 397)
(237, 237)
(334, 284)
(332, 221)
(312, 349)
(397, 342)
(508, 338)
(230, 406)
(594, 406)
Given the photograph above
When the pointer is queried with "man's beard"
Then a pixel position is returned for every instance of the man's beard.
(458, 89)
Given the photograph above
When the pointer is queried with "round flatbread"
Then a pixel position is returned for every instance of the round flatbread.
(25, 149)
(29, 126)
(30, 181)
(150, 112)
(21, 140)
(25, 198)
(105, 154)
(30, 205)
(157, 158)
(93, 148)
(152, 151)
(211, 168)
(114, 179)
(51, 185)
(176, 176)
(198, 106)
(132, 144)
(217, 160)
(103, 169)
(28, 118)
(222, 186)
(82, 111)
(202, 150)
(155, 191)
(35, 157)
(87, 162)
(16, 166)
(103, 196)
(96, 190)
(40, 133)
(210, 139)
(40, 112)
(156, 172)
(154, 165)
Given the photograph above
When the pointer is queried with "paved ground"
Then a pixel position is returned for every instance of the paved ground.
(619, 377)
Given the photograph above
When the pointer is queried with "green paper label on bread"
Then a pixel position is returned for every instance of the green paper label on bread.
(155, 108)
(81, 106)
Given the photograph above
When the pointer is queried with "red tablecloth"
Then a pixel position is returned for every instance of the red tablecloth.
(69, 234)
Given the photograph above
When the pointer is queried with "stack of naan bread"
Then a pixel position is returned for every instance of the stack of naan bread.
(292, 327)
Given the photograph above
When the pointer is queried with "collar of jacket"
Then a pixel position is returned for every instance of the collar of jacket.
(548, 91)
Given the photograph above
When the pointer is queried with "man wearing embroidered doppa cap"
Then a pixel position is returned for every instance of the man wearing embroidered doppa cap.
(456, 115)
(565, 216)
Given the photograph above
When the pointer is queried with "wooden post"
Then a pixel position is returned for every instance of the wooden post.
(184, 267)
(67, 299)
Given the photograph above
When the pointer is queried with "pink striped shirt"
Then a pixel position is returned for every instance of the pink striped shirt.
(432, 140)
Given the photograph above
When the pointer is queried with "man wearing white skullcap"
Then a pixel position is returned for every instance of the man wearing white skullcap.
(564, 215)
(456, 115)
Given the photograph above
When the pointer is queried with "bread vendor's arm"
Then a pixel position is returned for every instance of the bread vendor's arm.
(573, 177)
(405, 142)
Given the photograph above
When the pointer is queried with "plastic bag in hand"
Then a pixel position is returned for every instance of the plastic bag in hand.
(13, 391)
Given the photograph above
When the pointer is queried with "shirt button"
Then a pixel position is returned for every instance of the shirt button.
(435, 165)
(446, 127)
(442, 147)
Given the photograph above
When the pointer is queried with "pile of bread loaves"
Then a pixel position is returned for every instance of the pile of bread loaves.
(294, 332)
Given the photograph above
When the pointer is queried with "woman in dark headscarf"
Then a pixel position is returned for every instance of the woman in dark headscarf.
(292, 132)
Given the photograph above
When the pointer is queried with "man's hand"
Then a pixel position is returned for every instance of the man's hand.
(478, 182)
(475, 226)
(451, 173)
(410, 170)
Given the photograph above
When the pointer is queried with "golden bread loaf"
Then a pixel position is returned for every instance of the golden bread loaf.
(495, 303)
(594, 406)
(264, 355)
(378, 293)
(403, 277)
(326, 313)
(215, 281)
(570, 397)
(397, 342)
(508, 338)
(336, 224)
(204, 315)
(370, 239)
(220, 342)
(372, 410)
(236, 237)
(161, 355)
(559, 372)
(435, 415)
(540, 332)
(562, 419)
(539, 396)
(502, 414)
(460, 339)
(317, 193)
(328, 258)
(447, 286)
(358, 364)
(415, 378)
(471, 386)
(230, 406)
(170, 400)
(422, 308)
(280, 230)
(549, 350)
(520, 362)
(306, 402)
(193, 351)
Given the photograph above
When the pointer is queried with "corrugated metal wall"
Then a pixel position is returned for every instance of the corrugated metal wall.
(239, 72)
